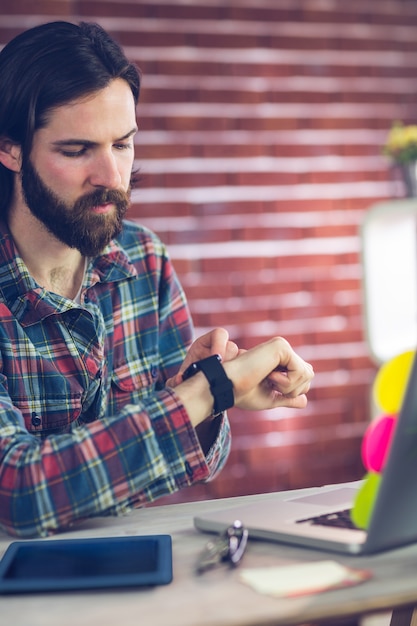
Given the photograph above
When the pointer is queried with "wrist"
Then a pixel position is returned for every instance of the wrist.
(221, 387)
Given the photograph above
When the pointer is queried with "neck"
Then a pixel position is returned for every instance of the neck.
(53, 265)
(63, 280)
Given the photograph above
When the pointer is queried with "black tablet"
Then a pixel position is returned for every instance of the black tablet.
(78, 564)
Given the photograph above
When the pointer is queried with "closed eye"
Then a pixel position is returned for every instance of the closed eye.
(74, 153)
(123, 146)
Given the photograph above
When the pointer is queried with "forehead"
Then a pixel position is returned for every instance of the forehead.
(108, 111)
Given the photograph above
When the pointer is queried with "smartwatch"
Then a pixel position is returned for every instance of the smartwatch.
(221, 386)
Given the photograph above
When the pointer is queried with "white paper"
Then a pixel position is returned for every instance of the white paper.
(301, 578)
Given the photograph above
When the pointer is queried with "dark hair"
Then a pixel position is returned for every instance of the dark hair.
(47, 66)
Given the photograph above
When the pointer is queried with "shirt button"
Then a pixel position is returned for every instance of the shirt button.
(36, 420)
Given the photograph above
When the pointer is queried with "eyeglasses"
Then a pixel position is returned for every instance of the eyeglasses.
(228, 548)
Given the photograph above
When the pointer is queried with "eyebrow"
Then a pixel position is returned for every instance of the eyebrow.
(88, 142)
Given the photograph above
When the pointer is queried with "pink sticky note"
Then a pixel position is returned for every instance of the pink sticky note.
(376, 442)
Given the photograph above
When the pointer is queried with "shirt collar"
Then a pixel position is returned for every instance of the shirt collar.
(29, 302)
(111, 266)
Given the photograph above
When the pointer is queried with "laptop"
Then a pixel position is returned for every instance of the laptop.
(393, 521)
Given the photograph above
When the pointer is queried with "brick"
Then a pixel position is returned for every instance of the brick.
(43, 7)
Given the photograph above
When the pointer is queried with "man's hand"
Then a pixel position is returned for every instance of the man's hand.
(214, 342)
(257, 382)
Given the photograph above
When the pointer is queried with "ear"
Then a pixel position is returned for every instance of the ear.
(10, 154)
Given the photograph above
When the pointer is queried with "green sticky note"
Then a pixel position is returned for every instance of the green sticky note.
(364, 501)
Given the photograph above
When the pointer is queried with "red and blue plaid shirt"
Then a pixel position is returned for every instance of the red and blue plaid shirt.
(87, 427)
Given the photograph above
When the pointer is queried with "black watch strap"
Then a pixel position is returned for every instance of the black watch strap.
(221, 386)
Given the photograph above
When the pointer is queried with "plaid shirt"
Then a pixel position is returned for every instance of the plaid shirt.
(86, 425)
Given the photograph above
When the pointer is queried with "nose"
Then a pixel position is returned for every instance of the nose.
(105, 172)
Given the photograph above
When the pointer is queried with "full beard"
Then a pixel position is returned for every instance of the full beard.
(75, 225)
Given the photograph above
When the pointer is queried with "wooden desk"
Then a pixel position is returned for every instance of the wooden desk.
(216, 598)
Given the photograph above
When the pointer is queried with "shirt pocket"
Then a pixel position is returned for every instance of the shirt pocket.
(49, 414)
(133, 380)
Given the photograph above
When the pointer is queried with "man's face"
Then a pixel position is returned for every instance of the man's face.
(76, 181)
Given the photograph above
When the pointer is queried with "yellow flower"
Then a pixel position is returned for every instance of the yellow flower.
(401, 145)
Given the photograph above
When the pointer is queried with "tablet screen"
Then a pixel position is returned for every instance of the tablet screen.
(59, 564)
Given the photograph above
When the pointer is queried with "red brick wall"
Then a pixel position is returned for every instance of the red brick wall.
(260, 150)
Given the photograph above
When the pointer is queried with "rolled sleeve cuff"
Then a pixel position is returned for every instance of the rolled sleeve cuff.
(180, 444)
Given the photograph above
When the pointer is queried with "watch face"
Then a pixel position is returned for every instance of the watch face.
(198, 366)
(190, 371)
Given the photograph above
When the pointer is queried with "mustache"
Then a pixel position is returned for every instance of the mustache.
(103, 196)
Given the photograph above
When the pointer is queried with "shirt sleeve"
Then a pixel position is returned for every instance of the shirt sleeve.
(107, 467)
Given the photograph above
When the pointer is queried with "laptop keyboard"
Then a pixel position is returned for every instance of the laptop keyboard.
(340, 519)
